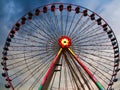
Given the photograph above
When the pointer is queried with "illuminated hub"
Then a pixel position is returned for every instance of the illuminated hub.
(64, 42)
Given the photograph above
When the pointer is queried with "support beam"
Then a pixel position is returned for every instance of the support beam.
(100, 87)
(48, 76)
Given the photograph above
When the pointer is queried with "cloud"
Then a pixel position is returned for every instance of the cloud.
(7, 19)
(111, 13)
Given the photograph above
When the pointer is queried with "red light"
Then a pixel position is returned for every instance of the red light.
(64, 42)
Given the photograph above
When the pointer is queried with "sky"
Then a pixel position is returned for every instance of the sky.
(12, 10)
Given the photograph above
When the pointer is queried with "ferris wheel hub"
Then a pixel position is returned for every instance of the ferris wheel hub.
(64, 41)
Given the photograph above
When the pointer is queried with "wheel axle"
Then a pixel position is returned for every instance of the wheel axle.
(64, 42)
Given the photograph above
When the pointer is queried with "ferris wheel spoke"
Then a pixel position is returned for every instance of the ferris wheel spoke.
(85, 29)
(53, 24)
(84, 81)
(81, 74)
(48, 24)
(60, 76)
(22, 71)
(75, 26)
(35, 71)
(74, 71)
(48, 71)
(98, 56)
(41, 23)
(30, 64)
(102, 47)
(44, 23)
(31, 47)
(39, 28)
(20, 53)
(26, 45)
(65, 76)
(52, 81)
(19, 50)
(81, 82)
(91, 32)
(100, 62)
(36, 81)
(41, 34)
(69, 29)
(44, 30)
(98, 50)
(84, 23)
(28, 39)
(92, 39)
(102, 40)
(96, 35)
(27, 69)
(43, 15)
(87, 81)
(82, 45)
(31, 36)
(34, 51)
(90, 29)
(80, 27)
(66, 23)
(32, 29)
(73, 76)
(71, 80)
(97, 68)
(29, 57)
(16, 65)
(23, 82)
(96, 46)
(62, 25)
(45, 19)
(20, 63)
(86, 69)
(90, 47)
(56, 24)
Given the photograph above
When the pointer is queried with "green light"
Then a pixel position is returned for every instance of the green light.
(99, 86)
(40, 87)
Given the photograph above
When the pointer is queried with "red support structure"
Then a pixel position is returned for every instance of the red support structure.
(49, 73)
(87, 70)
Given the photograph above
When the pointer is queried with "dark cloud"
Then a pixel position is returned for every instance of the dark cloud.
(11, 11)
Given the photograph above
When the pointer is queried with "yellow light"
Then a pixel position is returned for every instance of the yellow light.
(64, 42)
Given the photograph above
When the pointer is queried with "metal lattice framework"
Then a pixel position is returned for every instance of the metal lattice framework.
(60, 47)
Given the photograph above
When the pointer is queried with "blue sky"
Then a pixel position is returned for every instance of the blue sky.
(12, 10)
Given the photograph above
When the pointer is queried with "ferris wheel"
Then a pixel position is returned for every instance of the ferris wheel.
(60, 46)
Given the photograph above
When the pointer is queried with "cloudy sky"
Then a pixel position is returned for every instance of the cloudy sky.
(12, 10)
